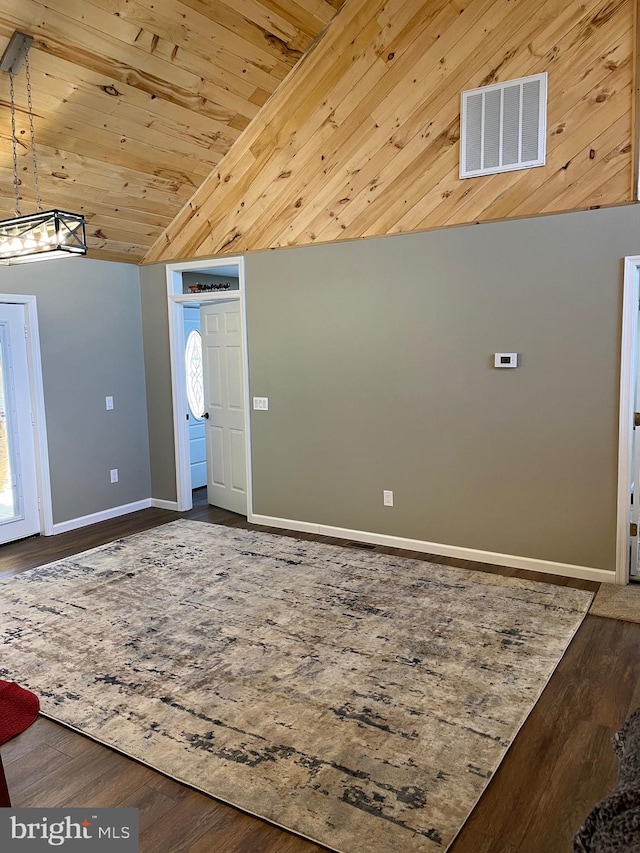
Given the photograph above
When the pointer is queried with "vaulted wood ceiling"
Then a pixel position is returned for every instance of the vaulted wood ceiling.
(182, 129)
(136, 101)
(362, 139)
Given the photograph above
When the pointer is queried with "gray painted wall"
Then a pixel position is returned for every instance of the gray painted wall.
(157, 362)
(376, 357)
(89, 315)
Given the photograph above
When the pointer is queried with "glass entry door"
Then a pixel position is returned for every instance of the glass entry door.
(19, 516)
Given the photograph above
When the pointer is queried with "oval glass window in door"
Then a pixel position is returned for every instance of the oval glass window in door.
(193, 368)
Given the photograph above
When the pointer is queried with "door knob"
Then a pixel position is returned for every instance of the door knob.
(206, 415)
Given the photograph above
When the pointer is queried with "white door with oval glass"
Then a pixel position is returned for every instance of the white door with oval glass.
(195, 396)
(224, 400)
(19, 514)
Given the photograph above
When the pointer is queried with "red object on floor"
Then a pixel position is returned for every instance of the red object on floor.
(5, 800)
(18, 709)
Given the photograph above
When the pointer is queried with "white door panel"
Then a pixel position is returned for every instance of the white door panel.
(237, 455)
(234, 379)
(224, 405)
(213, 376)
(216, 455)
(210, 323)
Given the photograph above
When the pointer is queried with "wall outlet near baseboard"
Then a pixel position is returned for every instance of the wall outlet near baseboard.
(387, 497)
(114, 475)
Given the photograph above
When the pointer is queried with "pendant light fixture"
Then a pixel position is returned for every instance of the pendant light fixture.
(45, 234)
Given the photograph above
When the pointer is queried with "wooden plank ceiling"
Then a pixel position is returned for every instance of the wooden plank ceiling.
(362, 138)
(136, 101)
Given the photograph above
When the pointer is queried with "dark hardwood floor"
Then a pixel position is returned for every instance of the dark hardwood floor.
(559, 766)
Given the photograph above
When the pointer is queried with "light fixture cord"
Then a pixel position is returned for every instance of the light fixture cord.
(33, 137)
(14, 142)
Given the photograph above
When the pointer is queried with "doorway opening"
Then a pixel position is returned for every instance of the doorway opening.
(25, 492)
(209, 375)
(628, 541)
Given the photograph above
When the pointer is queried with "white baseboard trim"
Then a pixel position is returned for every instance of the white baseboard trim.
(159, 504)
(531, 564)
(285, 523)
(104, 515)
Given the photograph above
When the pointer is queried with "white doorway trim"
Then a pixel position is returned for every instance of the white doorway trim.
(628, 361)
(45, 509)
(176, 301)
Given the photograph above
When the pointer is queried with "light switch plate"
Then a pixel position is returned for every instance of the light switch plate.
(109, 403)
(261, 403)
(505, 359)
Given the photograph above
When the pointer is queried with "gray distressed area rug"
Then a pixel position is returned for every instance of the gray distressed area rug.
(357, 699)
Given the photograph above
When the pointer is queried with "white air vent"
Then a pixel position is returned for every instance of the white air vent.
(504, 127)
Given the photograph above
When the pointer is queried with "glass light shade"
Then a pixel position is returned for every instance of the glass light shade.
(41, 236)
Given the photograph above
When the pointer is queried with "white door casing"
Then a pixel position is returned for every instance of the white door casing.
(19, 510)
(177, 300)
(221, 329)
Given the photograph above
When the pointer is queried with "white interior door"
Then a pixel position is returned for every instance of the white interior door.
(19, 516)
(224, 400)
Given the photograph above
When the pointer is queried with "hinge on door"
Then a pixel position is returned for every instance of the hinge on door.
(633, 529)
(636, 419)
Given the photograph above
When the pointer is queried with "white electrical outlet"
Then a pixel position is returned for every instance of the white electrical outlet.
(114, 475)
(387, 497)
(261, 403)
(109, 403)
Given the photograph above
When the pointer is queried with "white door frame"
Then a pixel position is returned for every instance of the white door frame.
(34, 361)
(628, 360)
(176, 299)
